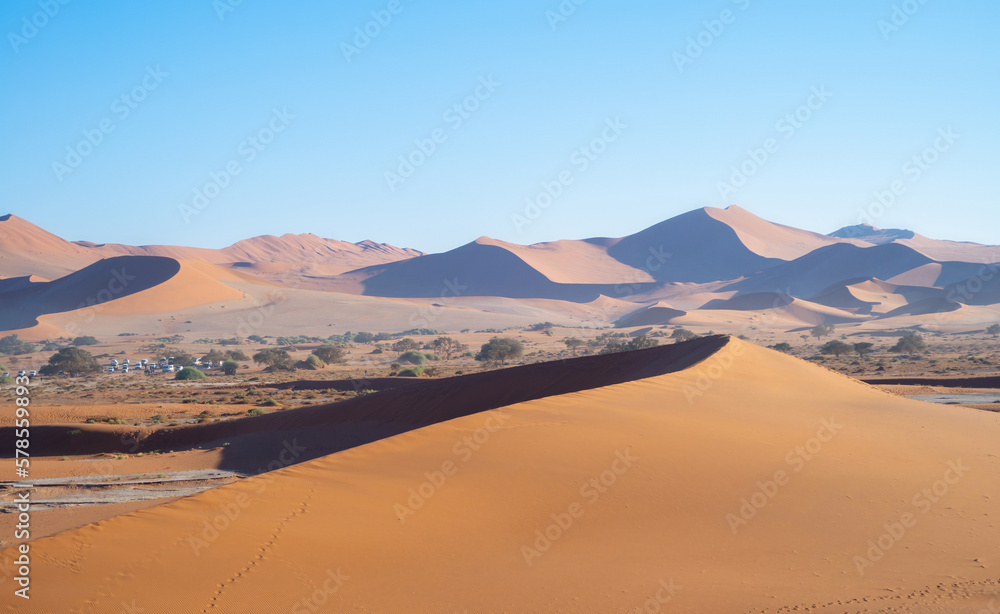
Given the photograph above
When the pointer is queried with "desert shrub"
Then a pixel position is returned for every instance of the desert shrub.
(274, 358)
(256, 411)
(411, 371)
(330, 354)
(85, 340)
(230, 367)
(12, 345)
(912, 343)
(312, 362)
(404, 345)
(683, 334)
(499, 350)
(412, 357)
(785, 348)
(73, 361)
(189, 373)
(836, 347)
(269, 402)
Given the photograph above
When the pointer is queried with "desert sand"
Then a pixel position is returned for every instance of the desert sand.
(738, 480)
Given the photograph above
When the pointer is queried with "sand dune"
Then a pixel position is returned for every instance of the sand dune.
(712, 489)
(701, 257)
(119, 285)
(656, 314)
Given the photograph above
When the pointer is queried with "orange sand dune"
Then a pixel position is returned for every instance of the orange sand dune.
(750, 482)
(123, 285)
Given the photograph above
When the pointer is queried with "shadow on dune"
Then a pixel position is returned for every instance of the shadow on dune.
(112, 278)
(279, 439)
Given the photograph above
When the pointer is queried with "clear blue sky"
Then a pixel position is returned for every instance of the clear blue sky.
(208, 83)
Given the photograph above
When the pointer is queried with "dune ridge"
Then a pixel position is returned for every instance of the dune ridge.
(591, 501)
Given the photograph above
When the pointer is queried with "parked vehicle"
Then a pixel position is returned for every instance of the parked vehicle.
(21, 373)
(110, 370)
(32, 373)
(6, 373)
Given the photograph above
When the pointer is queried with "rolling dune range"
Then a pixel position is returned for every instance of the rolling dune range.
(719, 477)
(713, 268)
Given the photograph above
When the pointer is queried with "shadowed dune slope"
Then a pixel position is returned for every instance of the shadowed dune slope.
(123, 284)
(99, 283)
(591, 501)
(481, 268)
(324, 429)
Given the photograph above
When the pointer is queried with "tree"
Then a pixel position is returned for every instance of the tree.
(236, 355)
(183, 359)
(230, 367)
(448, 347)
(363, 337)
(256, 339)
(72, 360)
(12, 345)
(636, 343)
(499, 350)
(864, 349)
(189, 373)
(821, 330)
(85, 340)
(641, 343)
(911, 343)
(994, 329)
(331, 354)
(785, 348)
(572, 343)
(274, 358)
(212, 356)
(404, 345)
(683, 334)
(836, 347)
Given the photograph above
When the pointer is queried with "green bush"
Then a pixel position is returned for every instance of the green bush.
(256, 411)
(189, 373)
(269, 402)
(412, 357)
(411, 371)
